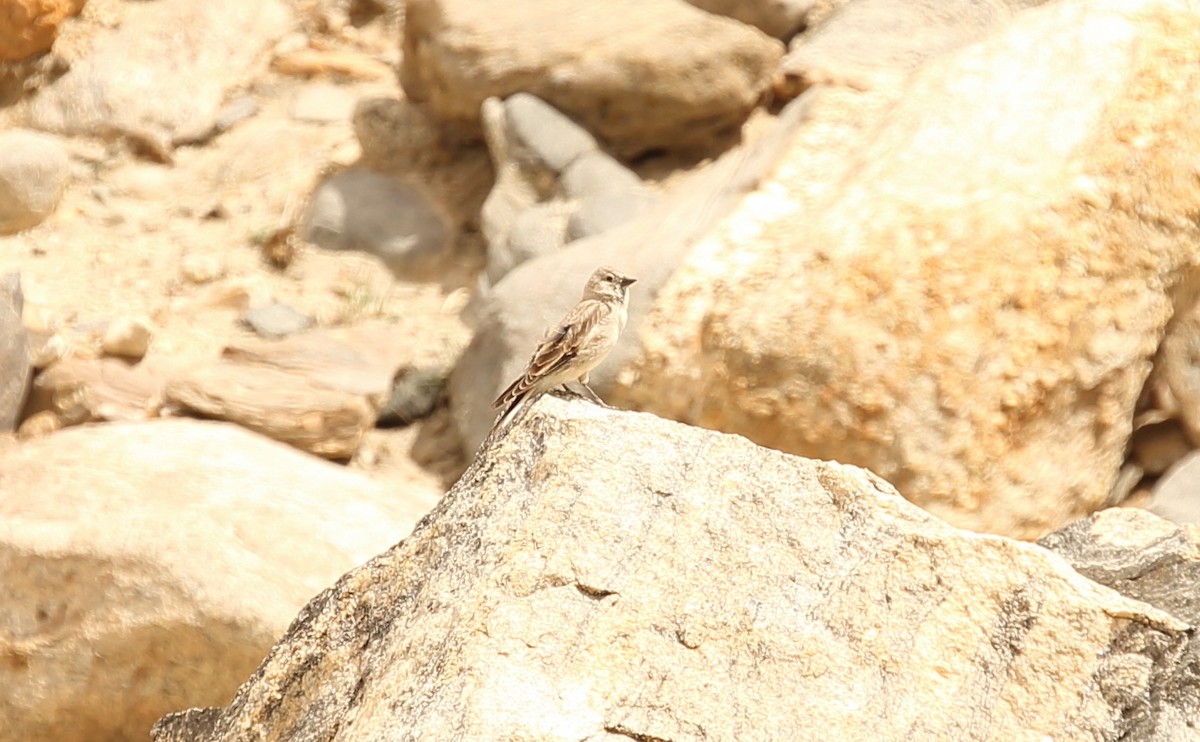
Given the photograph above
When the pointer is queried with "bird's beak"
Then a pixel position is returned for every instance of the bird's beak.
(626, 281)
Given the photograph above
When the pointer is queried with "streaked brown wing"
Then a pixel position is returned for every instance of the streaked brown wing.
(557, 350)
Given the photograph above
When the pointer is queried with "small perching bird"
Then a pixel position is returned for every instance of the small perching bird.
(574, 347)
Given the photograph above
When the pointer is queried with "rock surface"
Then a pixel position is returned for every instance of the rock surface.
(605, 66)
(164, 73)
(600, 575)
(149, 566)
(969, 302)
(869, 43)
(1146, 558)
(16, 356)
(33, 174)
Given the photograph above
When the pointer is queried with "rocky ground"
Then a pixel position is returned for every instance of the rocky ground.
(264, 266)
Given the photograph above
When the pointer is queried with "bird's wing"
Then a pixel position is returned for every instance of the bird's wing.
(559, 348)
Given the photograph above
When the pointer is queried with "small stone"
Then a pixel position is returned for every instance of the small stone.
(128, 337)
(34, 169)
(276, 320)
(595, 173)
(39, 424)
(415, 392)
(1157, 447)
(201, 268)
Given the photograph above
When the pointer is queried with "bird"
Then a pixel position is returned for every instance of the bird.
(573, 347)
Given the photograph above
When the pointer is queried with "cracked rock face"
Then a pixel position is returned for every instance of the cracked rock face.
(600, 575)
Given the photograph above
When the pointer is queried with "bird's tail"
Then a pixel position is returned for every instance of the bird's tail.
(512, 413)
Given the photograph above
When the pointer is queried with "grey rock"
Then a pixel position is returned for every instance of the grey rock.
(538, 230)
(164, 73)
(601, 212)
(276, 320)
(1176, 495)
(600, 575)
(16, 359)
(546, 136)
(596, 172)
(1156, 562)
(545, 165)
(381, 215)
(415, 393)
(34, 169)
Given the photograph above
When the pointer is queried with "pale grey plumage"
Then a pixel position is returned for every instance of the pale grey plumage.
(575, 346)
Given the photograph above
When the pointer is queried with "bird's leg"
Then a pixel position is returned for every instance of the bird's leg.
(568, 391)
(595, 397)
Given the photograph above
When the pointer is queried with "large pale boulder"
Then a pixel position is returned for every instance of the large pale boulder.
(878, 42)
(640, 74)
(599, 575)
(149, 566)
(969, 302)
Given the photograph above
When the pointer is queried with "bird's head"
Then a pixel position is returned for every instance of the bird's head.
(607, 283)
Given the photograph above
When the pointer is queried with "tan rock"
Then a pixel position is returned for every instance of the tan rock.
(310, 62)
(605, 66)
(969, 303)
(601, 575)
(29, 27)
(280, 405)
(150, 566)
(80, 390)
(319, 391)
